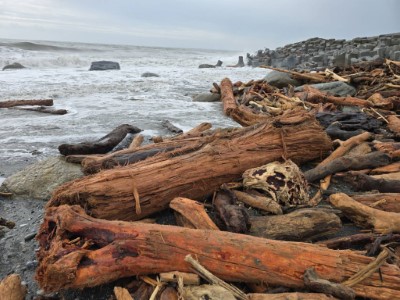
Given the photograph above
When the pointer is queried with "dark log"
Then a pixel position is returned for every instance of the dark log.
(344, 163)
(12, 103)
(383, 201)
(101, 146)
(354, 241)
(78, 251)
(336, 132)
(316, 284)
(349, 121)
(171, 127)
(194, 171)
(234, 217)
(363, 182)
(301, 225)
(43, 109)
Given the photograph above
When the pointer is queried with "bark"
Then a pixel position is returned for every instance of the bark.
(101, 146)
(191, 214)
(345, 163)
(12, 103)
(78, 251)
(193, 171)
(12, 289)
(362, 182)
(300, 225)
(365, 216)
(384, 201)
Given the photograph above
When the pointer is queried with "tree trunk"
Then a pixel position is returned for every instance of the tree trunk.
(193, 171)
(101, 146)
(300, 225)
(78, 251)
(12, 103)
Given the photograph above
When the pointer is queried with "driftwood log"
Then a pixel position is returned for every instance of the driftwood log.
(344, 163)
(299, 225)
(193, 171)
(384, 201)
(101, 146)
(78, 251)
(44, 109)
(365, 216)
(12, 103)
(363, 182)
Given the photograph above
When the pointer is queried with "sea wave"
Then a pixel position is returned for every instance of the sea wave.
(37, 47)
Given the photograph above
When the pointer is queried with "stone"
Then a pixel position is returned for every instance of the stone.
(280, 79)
(13, 66)
(104, 65)
(335, 88)
(38, 181)
(149, 74)
(207, 97)
(206, 66)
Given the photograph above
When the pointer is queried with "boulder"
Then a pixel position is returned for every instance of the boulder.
(204, 66)
(335, 88)
(38, 181)
(280, 79)
(104, 65)
(13, 66)
(149, 74)
(207, 97)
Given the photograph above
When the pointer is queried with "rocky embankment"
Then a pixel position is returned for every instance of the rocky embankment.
(317, 53)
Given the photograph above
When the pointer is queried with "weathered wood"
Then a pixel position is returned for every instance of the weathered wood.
(365, 216)
(122, 293)
(258, 201)
(43, 109)
(391, 168)
(191, 214)
(383, 201)
(78, 251)
(314, 95)
(394, 123)
(291, 296)
(316, 284)
(349, 242)
(192, 172)
(171, 127)
(241, 114)
(12, 103)
(344, 163)
(362, 182)
(304, 76)
(187, 278)
(101, 146)
(300, 225)
(12, 289)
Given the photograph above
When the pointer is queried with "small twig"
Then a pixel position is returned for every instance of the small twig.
(380, 115)
(207, 275)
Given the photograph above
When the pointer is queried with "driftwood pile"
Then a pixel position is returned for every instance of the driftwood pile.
(271, 213)
(40, 105)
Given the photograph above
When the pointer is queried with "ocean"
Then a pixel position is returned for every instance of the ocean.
(98, 101)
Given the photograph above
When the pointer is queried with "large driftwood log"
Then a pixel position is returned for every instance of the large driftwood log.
(300, 225)
(383, 201)
(12, 103)
(365, 216)
(344, 163)
(103, 145)
(362, 182)
(78, 251)
(194, 172)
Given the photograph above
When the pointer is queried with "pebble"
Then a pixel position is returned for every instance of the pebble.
(31, 265)
(29, 236)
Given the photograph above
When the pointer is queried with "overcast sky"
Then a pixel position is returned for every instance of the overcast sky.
(216, 24)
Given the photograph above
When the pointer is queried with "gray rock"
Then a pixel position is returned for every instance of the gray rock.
(336, 88)
(149, 74)
(207, 97)
(206, 66)
(38, 181)
(13, 66)
(104, 65)
(280, 79)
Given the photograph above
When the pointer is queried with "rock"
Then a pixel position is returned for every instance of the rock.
(336, 88)
(38, 181)
(149, 74)
(13, 66)
(207, 97)
(205, 66)
(280, 79)
(104, 65)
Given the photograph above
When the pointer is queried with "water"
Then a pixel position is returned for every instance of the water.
(98, 101)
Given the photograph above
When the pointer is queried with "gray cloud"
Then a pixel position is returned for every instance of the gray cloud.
(218, 24)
